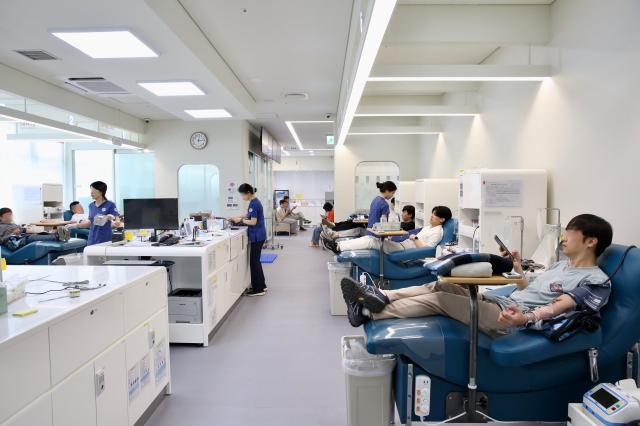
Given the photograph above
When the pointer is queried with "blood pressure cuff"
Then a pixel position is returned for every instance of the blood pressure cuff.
(445, 264)
(565, 326)
(590, 296)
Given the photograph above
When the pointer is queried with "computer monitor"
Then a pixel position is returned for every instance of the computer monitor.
(151, 213)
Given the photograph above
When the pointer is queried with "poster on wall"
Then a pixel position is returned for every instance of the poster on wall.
(503, 193)
(232, 201)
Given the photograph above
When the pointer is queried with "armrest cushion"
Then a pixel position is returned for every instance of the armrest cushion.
(411, 254)
(529, 347)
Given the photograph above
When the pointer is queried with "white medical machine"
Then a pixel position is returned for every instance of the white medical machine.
(607, 405)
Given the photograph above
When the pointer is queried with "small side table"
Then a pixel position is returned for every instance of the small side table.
(382, 235)
(472, 284)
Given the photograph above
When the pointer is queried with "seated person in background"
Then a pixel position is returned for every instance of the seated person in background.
(329, 215)
(569, 285)
(284, 216)
(78, 215)
(297, 216)
(13, 236)
(408, 218)
(429, 236)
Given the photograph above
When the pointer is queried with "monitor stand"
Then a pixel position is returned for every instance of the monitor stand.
(154, 238)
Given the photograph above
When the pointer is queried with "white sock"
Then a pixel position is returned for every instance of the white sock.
(366, 312)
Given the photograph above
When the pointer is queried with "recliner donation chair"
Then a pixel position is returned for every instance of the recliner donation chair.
(82, 233)
(522, 376)
(401, 268)
(42, 252)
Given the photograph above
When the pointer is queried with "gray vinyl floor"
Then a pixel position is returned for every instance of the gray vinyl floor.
(274, 361)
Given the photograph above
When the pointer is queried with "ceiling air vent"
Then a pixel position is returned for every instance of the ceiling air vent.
(296, 96)
(97, 86)
(37, 55)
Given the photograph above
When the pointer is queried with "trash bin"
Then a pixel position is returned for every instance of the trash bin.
(337, 271)
(368, 379)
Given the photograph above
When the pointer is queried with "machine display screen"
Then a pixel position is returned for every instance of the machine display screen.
(604, 398)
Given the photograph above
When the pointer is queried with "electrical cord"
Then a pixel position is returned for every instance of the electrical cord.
(442, 422)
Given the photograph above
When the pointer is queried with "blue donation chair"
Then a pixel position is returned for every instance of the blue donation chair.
(76, 232)
(42, 252)
(401, 268)
(522, 376)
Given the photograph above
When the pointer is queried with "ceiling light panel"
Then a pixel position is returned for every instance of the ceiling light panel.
(107, 44)
(208, 113)
(172, 88)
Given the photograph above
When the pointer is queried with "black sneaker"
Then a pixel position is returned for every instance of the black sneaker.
(355, 315)
(330, 245)
(253, 293)
(367, 295)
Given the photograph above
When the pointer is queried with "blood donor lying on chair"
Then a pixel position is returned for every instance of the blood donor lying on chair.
(429, 236)
(13, 236)
(574, 285)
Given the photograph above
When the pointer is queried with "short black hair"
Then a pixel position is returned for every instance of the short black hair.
(411, 210)
(327, 207)
(286, 197)
(443, 212)
(393, 200)
(245, 188)
(5, 210)
(74, 203)
(283, 201)
(387, 186)
(593, 226)
(100, 186)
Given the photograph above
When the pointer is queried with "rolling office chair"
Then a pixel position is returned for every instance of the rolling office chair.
(401, 268)
(522, 376)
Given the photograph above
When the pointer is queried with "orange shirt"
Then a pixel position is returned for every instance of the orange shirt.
(331, 216)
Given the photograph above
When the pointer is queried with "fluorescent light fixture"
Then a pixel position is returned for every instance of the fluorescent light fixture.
(426, 114)
(294, 135)
(392, 133)
(479, 79)
(172, 88)
(208, 113)
(380, 17)
(107, 44)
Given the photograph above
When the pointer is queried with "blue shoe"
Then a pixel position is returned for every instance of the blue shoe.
(366, 295)
(355, 315)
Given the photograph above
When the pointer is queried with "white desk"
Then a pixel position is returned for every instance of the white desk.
(219, 266)
(52, 361)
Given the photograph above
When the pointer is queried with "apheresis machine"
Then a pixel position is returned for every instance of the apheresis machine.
(608, 405)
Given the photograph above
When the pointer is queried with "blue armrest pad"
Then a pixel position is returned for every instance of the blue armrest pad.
(529, 346)
(400, 238)
(411, 254)
(352, 255)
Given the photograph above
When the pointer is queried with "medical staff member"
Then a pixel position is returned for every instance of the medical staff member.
(379, 205)
(254, 220)
(100, 233)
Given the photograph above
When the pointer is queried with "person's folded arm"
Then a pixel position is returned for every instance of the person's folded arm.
(251, 221)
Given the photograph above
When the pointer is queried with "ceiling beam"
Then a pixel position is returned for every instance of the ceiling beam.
(416, 110)
(460, 73)
(486, 24)
(185, 28)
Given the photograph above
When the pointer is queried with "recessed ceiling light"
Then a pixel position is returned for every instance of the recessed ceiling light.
(392, 133)
(172, 88)
(470, 78)
(107, 44)
(208, 113)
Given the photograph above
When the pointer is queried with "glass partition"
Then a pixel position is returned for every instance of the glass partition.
(135, 175)
(198, 189)
(367, 174)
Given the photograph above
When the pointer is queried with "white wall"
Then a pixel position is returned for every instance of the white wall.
(582, 126)
(401, 149)
(227, 149)
(308, 163)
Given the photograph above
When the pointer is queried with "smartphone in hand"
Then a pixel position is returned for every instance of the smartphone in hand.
(503, 247)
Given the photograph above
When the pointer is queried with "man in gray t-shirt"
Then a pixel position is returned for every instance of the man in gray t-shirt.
(566, 286)
(11, 235)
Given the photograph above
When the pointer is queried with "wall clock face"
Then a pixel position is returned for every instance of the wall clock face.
(198, 140)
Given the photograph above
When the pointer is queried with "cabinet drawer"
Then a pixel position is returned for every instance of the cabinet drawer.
(222, 253)
(80, 338)
(111, 397)
(74, 401)
(38, 413)
(24, 369)
(236, 245)
(143, 299)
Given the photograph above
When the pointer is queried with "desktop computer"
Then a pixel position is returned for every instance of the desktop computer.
(159, 214)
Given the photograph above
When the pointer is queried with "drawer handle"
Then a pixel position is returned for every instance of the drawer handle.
(146, 283)
(93, 311)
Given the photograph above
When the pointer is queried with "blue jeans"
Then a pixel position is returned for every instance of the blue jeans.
(315, 238)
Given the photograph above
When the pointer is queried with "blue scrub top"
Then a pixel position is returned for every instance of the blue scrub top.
(379, 207)
(258, 232)
(101, 234)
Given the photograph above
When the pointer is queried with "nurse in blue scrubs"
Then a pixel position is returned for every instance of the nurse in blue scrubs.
(379, 205)
(254, 220)
(100, 233)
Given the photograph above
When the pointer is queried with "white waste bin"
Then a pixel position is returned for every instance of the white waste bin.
(337, 271)
(369, 383)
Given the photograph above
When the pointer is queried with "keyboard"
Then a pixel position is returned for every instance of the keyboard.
(124, 262)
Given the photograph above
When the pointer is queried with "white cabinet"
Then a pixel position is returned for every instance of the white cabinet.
(141, 300)
(36, 414)
(435, 192)
(111, 387)
(74, 400)
(24, 369)
(81, 337)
